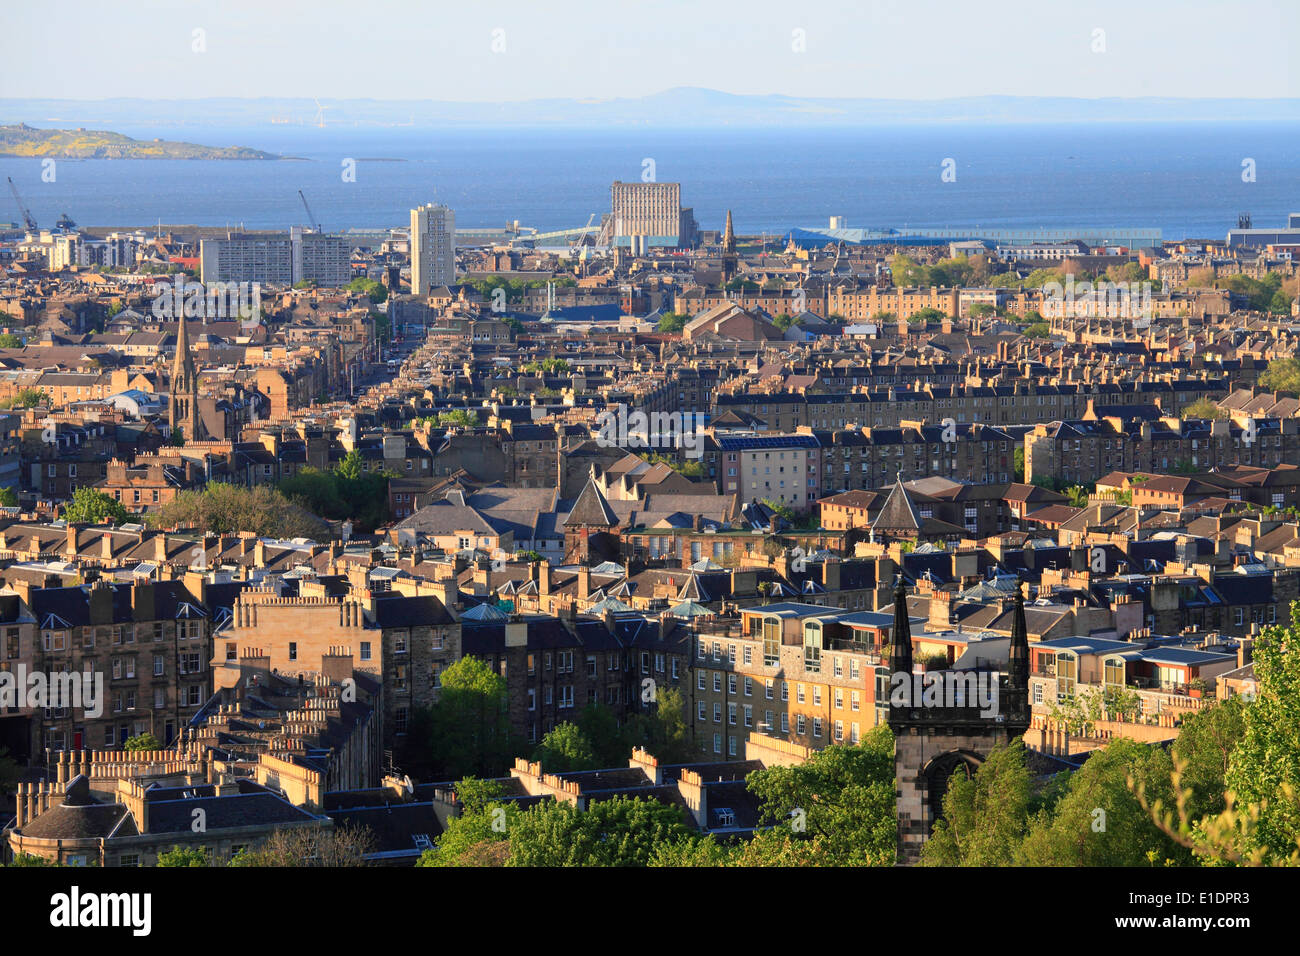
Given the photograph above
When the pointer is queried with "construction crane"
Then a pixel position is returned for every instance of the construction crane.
(27, 216)
(310, 218)
(582, 237)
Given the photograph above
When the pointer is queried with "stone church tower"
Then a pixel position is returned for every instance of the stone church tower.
(934, 742)
(183, 405)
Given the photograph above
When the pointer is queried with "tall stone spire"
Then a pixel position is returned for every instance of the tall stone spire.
(1018, 651)
(728, 236)
(183, 406)
(900, 636)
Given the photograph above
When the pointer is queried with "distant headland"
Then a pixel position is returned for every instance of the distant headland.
(28, 141)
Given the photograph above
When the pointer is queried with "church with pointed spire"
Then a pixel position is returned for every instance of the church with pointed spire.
(183, 404)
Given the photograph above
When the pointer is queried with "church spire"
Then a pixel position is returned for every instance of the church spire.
(1018, 651)
(728, 236)
(900, 636)
(183, 405)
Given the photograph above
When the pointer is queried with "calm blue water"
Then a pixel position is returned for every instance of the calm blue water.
(1184, 179)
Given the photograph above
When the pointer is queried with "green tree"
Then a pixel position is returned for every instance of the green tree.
(1204, 749)
(466, 731)
(692, 850)
(225, 509)
(186, 856)
(475, 794)
(663, 730)
(600, 727)
(458, 418)
(8, 498)
(1282, 375)
(619, 832)
(375, 291)
(565, 749)
(1203, 408)
(144, 741)
(985, 816)
(1018, 463)
(926, 316)
(1098, 820)
(25, 398)
(10, 341)
(1264, 770)
(841, 799)
(671, 322)
(89, 506)
(478, 837)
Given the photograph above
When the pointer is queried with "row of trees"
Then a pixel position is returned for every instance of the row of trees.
(835, 810)
(467, 732)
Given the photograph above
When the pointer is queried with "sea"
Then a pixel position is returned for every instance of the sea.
(1191, 180)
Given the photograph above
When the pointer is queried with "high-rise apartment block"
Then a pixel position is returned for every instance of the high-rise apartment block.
(433, 248)
(277, 258)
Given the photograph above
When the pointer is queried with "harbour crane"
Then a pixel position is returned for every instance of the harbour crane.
(310, 218)
(27, 216)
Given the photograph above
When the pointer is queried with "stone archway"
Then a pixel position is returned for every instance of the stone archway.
(937, 773)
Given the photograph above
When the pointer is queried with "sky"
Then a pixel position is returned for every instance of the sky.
(485, 51)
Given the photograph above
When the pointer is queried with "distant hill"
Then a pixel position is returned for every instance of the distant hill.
(24, 140)
(681, 107)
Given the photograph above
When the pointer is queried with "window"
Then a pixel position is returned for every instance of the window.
(785, 690)
(293, 650)
(703, 710)
(717, 713)
(771, 641)
(365, 650)
(731, 714)
(767, 688)
(749, 715)
(785, 723)
(1066, 668)
(800, 724)
(717, 682)
(532, 698)
(731, 683)
(699, 679)
(731, 746)
(799, 693)
(717, 743)
(749, 687)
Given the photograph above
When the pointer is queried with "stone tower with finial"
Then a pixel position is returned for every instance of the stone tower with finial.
(954, 733)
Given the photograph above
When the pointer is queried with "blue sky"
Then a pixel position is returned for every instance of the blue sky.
(478, 50)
